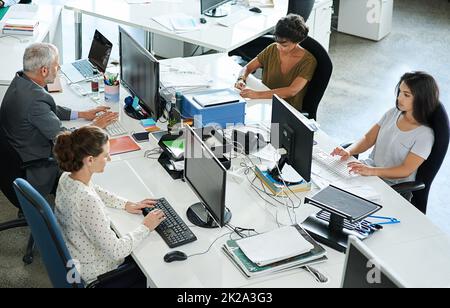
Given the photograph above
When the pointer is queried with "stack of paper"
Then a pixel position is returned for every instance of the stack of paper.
(261, 3)
(15, 26)
(149, 125)
(179, 74)
(178, 22)
(252, 269)
(274, 246)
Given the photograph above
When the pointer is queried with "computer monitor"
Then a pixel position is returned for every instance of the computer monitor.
(290, 131)
(139, 72)
(363, 269)
(207, 177)
(211, 8)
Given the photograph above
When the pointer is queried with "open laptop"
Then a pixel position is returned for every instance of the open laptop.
(98, 58)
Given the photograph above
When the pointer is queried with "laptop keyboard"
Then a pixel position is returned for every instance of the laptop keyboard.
(173, 229)
(84, 67)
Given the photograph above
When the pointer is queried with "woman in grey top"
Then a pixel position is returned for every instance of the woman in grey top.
(402, 138)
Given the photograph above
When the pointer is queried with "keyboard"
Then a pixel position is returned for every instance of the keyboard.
(234, 18)
(332, 164)
(84, 67)
(115, 129)
(173, 229)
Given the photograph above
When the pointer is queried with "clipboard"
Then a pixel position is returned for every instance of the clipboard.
(122, 145)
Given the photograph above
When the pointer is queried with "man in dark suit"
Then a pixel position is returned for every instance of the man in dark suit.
(30, 119)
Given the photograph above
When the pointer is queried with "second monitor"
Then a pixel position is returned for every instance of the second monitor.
(139, 72)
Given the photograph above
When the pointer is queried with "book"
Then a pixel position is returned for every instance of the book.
(217, 97)
(261, 3)
(250, 269)
(123, 145)
(277, 188)
(274, 246)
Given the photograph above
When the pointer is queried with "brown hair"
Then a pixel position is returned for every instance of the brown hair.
(292, 28)
(72, 147)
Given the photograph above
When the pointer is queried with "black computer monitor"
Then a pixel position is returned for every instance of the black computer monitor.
(207, 177)
(212, 8)
(139, 72)
(290, 131)
(365, 270)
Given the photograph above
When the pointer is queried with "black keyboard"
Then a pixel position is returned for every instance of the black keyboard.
(173, 229)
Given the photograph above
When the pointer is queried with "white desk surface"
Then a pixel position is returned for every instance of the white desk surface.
(211, 35)
(12, 48)
(416, 249)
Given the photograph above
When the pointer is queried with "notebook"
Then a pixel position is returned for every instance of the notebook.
(123, 144)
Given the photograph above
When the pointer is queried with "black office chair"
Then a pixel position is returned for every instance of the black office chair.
(250, 50)
(12, 168)
(426, 173)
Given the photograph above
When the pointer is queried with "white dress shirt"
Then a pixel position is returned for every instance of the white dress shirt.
(80, 211)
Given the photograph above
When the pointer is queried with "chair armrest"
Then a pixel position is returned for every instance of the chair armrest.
(115, 275)
(408, 187)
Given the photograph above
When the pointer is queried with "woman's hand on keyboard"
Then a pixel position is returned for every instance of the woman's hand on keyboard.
(105, 119)
(343, 153)
(92, 113)
(153, 219)
(357, 167)
(136, 208)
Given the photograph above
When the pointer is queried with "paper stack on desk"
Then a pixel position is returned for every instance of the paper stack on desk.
(178, 22)
(274, 251)
(16, 26)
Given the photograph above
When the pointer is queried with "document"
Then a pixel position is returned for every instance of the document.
(178, 22)
(274, 246)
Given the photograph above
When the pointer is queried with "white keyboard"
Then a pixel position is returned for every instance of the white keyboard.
(115, 129)
(234, 18)
(332, 164)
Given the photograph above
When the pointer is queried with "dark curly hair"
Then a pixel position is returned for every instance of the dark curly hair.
(72, 147)
(426, 94)
(291, 28)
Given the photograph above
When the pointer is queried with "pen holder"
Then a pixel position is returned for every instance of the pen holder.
(112, 93)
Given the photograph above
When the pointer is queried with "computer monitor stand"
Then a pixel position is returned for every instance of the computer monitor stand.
(199, 216)
(331, 234)
(275, 172)
(217, 12)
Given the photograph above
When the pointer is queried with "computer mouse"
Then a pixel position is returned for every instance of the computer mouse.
(203, 20)
(255, 10)
(175, 255)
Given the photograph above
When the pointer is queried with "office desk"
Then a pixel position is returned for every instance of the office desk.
(211, 35)
(13, 47)
(415, 248)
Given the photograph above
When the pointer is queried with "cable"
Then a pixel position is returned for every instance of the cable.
(209, 248)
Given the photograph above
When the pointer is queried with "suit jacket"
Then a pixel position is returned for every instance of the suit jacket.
(30, 121)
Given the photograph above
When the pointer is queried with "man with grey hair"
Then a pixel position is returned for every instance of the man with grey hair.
(30, 119)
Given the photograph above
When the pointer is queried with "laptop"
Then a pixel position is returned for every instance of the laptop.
(98, 58)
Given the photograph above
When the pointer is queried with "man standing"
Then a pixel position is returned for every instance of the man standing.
(30, 119)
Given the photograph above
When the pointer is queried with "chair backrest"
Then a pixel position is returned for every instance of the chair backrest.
(301, 7)
(48, 236)
(10, 166)
(320, 79)
(426, 173)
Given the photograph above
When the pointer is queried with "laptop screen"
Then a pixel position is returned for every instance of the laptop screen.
(100, 51)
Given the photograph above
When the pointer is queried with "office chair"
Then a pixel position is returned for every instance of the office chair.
(51, 244)
(250, 50)
(12, 168)
(426, 173)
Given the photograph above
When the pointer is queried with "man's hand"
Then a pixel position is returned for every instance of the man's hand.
(105, 119)
(92, 113)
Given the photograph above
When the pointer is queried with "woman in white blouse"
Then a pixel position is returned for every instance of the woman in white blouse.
(402, 138)
(80, 208)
